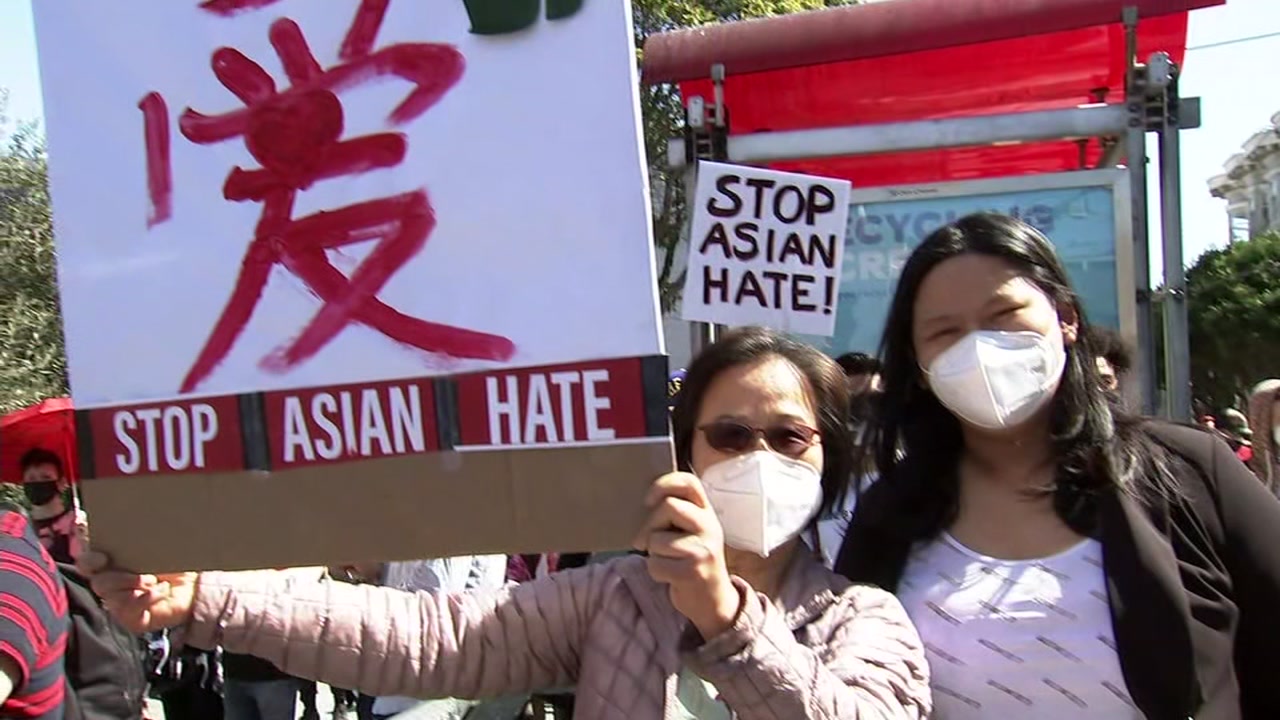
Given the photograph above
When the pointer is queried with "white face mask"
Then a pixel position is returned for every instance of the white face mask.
(997, 380)
(762, 499)
(1275, 437)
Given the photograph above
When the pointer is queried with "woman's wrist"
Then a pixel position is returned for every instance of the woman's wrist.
(724, 610)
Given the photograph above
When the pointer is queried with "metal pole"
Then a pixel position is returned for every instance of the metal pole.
(704, 334)
(1086, 121)
(1177, 343)
(1136, 157)
(1112, 150)
(1177, 346)
(1135, 140)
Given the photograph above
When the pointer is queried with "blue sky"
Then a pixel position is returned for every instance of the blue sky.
(1235, 81)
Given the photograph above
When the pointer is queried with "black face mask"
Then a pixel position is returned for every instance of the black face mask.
(41, 493)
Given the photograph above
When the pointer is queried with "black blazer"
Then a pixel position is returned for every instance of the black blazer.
(1194, 582)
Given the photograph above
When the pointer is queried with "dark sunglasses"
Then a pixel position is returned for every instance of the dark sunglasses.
(790, 439)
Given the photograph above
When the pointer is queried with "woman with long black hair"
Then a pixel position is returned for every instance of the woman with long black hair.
(1060, 558)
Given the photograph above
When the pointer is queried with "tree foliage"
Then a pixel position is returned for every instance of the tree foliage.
(663, 112)
(13, 498)
(32, 359)
(1234, 315)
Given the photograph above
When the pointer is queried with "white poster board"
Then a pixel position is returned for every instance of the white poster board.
(278, 221)
(765, 248)
(476, 147)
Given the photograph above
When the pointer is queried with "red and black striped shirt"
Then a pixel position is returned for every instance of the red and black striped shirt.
(33, 622)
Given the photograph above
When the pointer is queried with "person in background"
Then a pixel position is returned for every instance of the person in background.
(34, 624)
(674, 383)
(828, 532)
(1060, 558)
(861, 406)
(1238, 434)
(187, 681)
(344, 701)
(105, 665)
(1264, 418)
(446, 575)
(366, 573)
(1114, 358)
(862, 409)
(255, 689)
(727, 615)
(862, 371)
(523, 568)
(46, 487)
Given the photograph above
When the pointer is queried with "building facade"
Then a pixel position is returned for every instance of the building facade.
(1251, 185)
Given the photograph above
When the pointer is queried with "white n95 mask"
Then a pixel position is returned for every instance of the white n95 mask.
(996, 379)
(762, 499)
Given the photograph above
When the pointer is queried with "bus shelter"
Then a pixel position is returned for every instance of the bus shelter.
(928, 100)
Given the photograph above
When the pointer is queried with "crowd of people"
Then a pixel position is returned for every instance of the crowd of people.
(106, 671)
(970, 525)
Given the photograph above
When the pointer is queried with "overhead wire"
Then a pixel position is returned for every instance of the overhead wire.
(1235, 41)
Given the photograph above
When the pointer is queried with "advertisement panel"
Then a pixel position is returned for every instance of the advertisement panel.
(1085, 214)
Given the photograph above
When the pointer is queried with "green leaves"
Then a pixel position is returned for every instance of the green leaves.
(32, 359)
(1234, 315)
(663, 113)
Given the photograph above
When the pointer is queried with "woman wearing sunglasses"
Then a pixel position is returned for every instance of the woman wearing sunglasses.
(727, 616)
(1059, 558)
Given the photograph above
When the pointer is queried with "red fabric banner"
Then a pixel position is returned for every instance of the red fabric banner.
(1042, 72)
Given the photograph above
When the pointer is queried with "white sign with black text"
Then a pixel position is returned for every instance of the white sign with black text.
(766, 249)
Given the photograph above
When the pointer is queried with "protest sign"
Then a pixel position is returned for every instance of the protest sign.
(765, 249)
(321, 268)
(1085, 214)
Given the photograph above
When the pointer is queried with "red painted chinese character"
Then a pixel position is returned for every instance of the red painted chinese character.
(295, 134)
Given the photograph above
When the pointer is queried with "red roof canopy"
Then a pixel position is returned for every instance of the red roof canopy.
(904, 60)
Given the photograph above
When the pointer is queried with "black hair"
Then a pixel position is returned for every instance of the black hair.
(856, 363)
(917, 443)
(827, 388)
(1108, 344)
(40, 456)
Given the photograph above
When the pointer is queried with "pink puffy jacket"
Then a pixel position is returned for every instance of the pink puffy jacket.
(825, 649)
